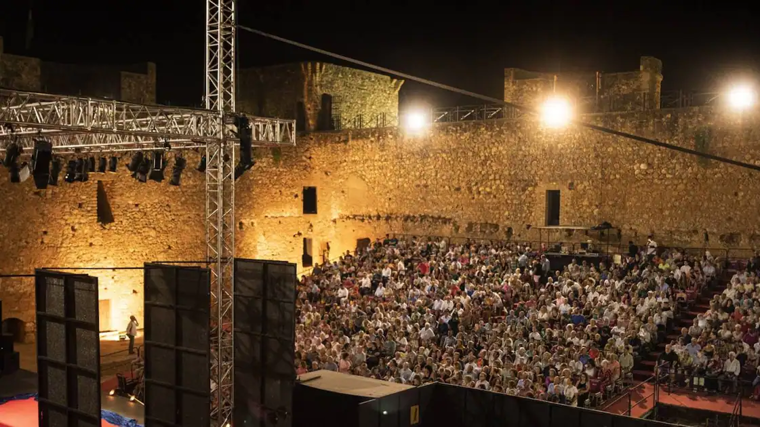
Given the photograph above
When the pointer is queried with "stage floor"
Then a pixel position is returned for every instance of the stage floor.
(23, 413)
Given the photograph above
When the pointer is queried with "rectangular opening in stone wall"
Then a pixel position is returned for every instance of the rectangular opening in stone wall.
(105, 214)
(325, 112)
(306, 259)
(552, 207)
(310, 200)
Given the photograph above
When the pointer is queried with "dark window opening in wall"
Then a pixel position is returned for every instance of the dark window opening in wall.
(310, 200)
(325, 113)
(300, 116)
(306, 259)
(552, 207)
(105, 214)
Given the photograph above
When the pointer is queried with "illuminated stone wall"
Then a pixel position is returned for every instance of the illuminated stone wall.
(621, 91)
(477, 179)
(359, 98)
(489, 179)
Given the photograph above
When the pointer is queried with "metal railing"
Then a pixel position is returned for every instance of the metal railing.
(474, 112)
(628, 394)
(604, 248)
(363, 121)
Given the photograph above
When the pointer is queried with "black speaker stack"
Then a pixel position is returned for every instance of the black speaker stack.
(9, 359)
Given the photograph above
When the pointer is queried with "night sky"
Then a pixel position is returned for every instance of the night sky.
(465, 44)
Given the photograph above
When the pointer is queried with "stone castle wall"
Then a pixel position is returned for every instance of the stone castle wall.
(624, 91)
(295, 91)
(475, 179)
(131, 84)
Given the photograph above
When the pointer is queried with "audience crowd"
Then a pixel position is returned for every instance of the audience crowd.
(499, 317)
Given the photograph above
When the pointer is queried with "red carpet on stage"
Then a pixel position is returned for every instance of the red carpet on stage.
(23, 413)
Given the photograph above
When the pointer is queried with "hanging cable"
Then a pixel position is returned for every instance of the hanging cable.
(500, 101)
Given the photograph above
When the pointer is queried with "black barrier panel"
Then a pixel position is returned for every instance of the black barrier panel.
(408, 407)
(177, 303)
(596, 418)
(478, 407)
(369, 413)
(426, 402)
(68, 349)
(264, 335)
(565, 416)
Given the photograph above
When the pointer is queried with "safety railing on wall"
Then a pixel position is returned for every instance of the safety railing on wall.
(363, 121)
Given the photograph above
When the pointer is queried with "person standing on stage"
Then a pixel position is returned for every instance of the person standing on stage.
(131, 332)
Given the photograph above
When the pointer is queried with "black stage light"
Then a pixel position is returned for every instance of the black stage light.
(179, 166)
(246, 145)
(137, 158)
(41, 157)
(81, 170)
(202, 164)
(143, 169)
(55, 171)
(91, 164)
(157, 171)
(71, 171)
(14, 173)
(113, 162)
(102, 163)
(12, 153)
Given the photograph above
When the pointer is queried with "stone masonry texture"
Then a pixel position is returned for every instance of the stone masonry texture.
(359, 98)
(485, 179)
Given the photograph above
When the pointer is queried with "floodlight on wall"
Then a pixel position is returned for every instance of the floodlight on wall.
(71, 171)
(742, 97)
(416, 120)
(179, 166)
(202, 164)
(556, 112)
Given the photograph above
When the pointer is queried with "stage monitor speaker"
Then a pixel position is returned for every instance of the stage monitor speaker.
(177, 377)
(68, 349)
(264, 334)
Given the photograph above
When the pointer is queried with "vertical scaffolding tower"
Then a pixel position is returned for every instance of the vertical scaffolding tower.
(220, 203)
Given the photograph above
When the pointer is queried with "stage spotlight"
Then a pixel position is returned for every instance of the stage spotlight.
(142, 171)
(157, 171)
(91, 164)
(71, 171)
(13, 169)
(41, 157)
(137, 159)
(179, 166)
(246, 145)
(12, 153)
(81, 170)
(113, 162)
(202, 164)
(112, 392)
(102, 164)
(55, 171)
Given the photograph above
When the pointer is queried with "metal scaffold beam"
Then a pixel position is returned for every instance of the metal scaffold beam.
(220, 202)
(87, 124)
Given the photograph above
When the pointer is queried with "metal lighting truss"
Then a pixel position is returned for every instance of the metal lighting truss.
(220, 204)
(87, 124)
